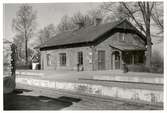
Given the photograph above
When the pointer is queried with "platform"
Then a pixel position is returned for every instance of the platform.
(103, 83)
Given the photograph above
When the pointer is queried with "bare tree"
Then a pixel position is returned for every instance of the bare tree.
(65, 24)
(24, 24)
(69, 23)
(46, 33)
(140, 13)
(113, 11)
(80, 18)
(18, 40)
(157, 16)
(145, 9)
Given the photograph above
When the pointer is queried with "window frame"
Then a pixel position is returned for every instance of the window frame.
(80, 57)
(48, 59)
(63, 59)
(121, 37)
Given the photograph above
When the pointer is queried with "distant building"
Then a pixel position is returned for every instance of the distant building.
(97, 47)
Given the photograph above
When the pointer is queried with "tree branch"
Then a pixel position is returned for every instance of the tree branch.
(132, 16)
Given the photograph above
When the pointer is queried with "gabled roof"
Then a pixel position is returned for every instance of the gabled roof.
(88, 34)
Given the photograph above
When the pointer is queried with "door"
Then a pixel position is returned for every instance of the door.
(116, 60)
(80, 62)
(101, 60)
(80, 58)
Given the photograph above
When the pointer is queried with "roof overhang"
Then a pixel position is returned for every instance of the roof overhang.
(128, 47)
(64, 41)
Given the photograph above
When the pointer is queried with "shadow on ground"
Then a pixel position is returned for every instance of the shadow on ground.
(15, 101)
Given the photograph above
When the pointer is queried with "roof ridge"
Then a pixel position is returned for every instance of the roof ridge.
(86, 34)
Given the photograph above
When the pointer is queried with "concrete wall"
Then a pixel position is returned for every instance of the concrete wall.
(71, 58)
(133, 94)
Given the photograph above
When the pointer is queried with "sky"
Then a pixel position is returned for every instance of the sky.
(50, 13)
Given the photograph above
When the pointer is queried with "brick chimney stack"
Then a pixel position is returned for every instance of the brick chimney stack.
(80, 25)
(97, 21)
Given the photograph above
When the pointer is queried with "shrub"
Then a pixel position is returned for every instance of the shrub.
(29, 66)
(138, 68)
(157, 64)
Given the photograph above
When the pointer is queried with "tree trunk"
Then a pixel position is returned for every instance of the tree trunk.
(149, 51)
(26, 52)
(148, 35)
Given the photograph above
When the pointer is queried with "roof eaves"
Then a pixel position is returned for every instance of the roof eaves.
(119, 22)
(116, 47)
(125, 49)
(143, 37)
(67, 45)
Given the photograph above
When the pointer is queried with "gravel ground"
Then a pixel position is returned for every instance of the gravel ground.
(33, 98)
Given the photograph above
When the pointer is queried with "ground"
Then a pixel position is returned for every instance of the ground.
(34, 98)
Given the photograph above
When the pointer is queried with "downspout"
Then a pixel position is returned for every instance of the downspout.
(93, 57)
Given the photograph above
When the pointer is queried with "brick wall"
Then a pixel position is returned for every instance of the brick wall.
(71, 59)
(90, 54)
(129, 38)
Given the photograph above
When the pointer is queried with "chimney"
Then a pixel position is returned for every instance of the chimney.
(80, 25)
(97, 21)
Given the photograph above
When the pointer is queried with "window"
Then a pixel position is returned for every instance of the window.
(48, 59)
(101, 60)
(62, 59)
(136, 60)
(117, 57)
(141, 58)
(80, 58)
(128, 58)
(121, 36)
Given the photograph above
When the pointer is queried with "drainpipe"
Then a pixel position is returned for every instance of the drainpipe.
(113, 58)
(120, 52)
(93, 57)
(133, 59)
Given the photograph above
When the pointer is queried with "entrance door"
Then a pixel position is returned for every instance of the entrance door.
(80, 58)
(116, 60)
(101, 60)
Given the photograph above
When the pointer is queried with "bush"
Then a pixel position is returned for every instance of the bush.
(142, 68)
(23, 67)
(157, 69)
(157, 64)
(138, 68)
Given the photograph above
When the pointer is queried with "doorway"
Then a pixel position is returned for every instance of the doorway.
(116, 60)
(101, 60)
